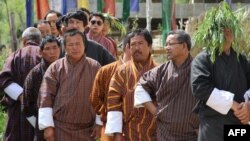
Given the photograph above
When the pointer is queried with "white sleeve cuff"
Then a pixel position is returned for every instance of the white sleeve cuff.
(13, 90)
(141, 96)
(220, 100)
(32, 120)
(98, 120)
(114, 123)
(45, 118)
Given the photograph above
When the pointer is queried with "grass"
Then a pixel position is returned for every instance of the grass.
(2, 122)
(4, 53)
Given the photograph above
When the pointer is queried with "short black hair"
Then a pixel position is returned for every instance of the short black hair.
(143, 32)
(79, 15)
(182, 37)
(49, 39)
(73, 32)
(84, 10)
(97, 15)
(60, 21)
(40, 22)
(58, 14)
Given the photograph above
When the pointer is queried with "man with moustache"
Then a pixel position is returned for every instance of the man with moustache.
(124, 122)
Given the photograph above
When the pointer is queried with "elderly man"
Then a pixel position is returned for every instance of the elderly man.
(101, 85)
(65, 112)
(12, 78)
(78, 20)
(123, 121)
(50, 52)
(166, 92)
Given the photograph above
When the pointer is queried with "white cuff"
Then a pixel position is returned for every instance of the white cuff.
(45, 118)
(98, 120)
(114, 123)
(220, 100)
(247, 95)
(13, 90)
(141, 96)
(32, 120)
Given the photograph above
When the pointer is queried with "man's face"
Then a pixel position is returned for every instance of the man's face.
(140, 49)
(50, 52)
(174, 48)
(96, 25)
(52, 18)
(44, 28)
(75, 24)
(74, 47)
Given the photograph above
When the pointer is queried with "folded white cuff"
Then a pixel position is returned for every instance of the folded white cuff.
(45, 118)
(13, 90)
(98, 120)
(141, 96)
(114, 123)
(32, 120)
(220, 100)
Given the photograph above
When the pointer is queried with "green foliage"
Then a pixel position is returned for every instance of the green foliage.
(115, 24)
(2, 122)
(134, 23)
(210, 33)
(16, 6)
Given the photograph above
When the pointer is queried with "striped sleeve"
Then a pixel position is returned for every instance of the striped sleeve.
(97, 94)
(114, 118)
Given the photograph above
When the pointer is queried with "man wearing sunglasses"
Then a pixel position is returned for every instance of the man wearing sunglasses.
(96, 25)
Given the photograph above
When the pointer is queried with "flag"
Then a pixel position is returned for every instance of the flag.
(134, 5)
(100, 5)
(109, 7)
(83, 4)
(29, 12)
(68, 5)
(56, 5)
(166, 19)
(125, 9)
(106, 6)
(173, 19)
(42, 7)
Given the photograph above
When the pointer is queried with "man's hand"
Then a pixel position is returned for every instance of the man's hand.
(96, 133)
(49, 134)
(243, 113)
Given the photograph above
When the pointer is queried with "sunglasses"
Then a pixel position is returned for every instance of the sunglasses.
(96, 22)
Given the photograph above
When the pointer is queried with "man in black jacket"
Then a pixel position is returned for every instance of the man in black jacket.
(78, 20)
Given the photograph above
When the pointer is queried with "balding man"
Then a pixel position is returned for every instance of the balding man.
(12, 77)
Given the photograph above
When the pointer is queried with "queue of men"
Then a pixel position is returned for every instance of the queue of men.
(66, 83)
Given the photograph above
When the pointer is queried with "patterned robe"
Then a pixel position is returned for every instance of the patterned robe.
(66, 89)
(99, 92)
(104, 41)
(15, 70)
(138, 124)
(30, 99)
(170, 87)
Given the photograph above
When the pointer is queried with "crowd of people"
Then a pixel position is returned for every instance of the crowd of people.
(67, 83)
